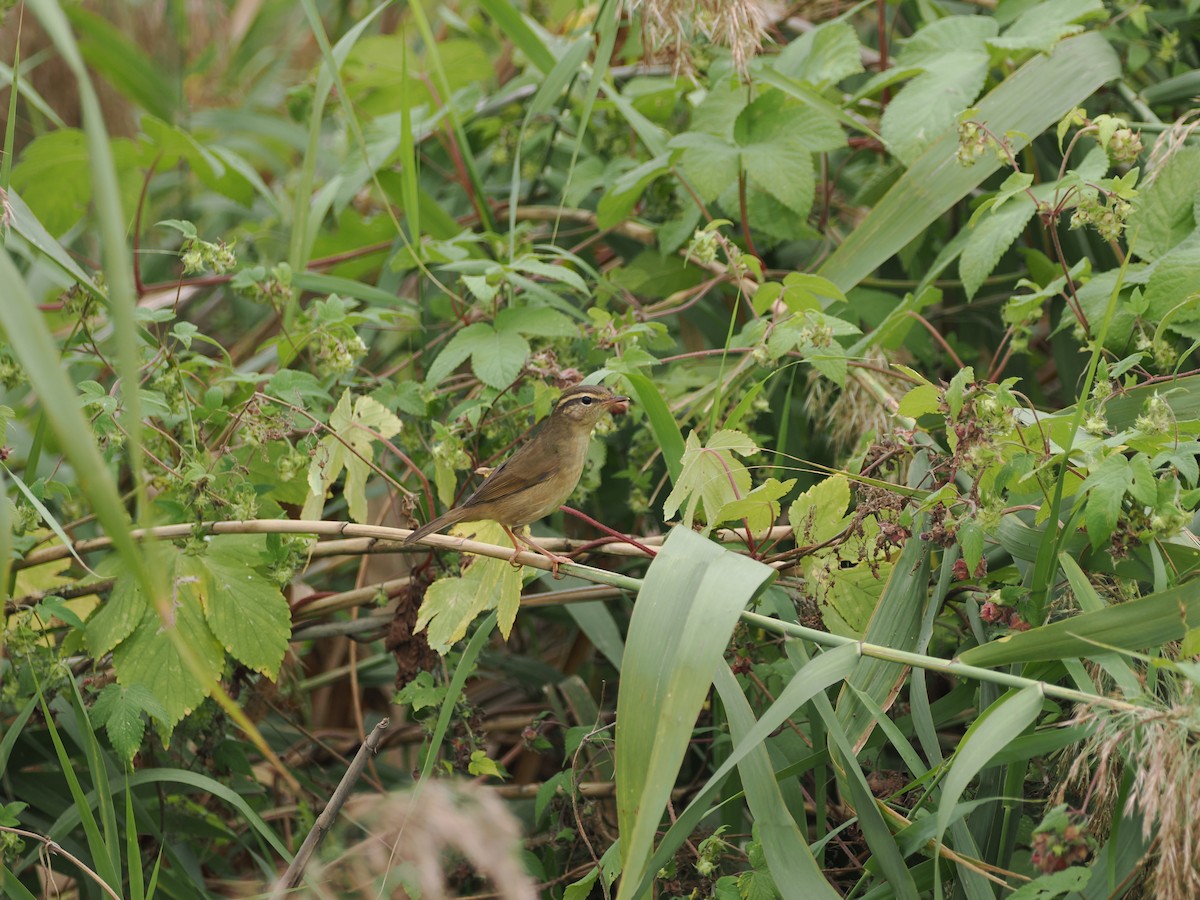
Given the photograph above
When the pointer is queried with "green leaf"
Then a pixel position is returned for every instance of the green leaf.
(539, 321)
(1165, 212)
(710, 475)
(149, 657)
(709, 163)
(619, 200)
(1105, 488)
(350, 447)
(990, 240)
(987, 735)
(453, 602)
(119, 709)
(1030, 100)
(1044, 24)
(497, 357)
(247, 612)
(760, 508)
(582, 889)
(825, 55)
(954, 57)
(819, 513)
(1133, 625)
(922, 400)
(53, 178)
(115, 619)
(682, 621)
(112, 53)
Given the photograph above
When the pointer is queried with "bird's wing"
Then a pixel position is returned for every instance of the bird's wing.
(503, 482)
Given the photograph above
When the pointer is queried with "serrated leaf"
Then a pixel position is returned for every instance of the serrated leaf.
(247, 612)
(351, 447)
(819, 513)
(709, 163)
(1042, 25)
(825, 55)
(149, 657)
(115, 619)
(710, 475)
(920, 401)
(760, 508)
(457, 351)
(54, 178)
(970, 539)
(119, 709)
(500, 357)
(990, 240)
(1165, 212)
(452, 603)
(1105, 488)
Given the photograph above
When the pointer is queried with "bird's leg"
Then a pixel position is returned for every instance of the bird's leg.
(555, 561)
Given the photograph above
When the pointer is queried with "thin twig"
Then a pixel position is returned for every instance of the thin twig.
(55, 847)
(295, 871)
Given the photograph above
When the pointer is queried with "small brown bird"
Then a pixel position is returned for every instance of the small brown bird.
(540, 476)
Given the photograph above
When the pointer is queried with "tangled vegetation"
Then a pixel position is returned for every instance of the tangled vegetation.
(883, 587)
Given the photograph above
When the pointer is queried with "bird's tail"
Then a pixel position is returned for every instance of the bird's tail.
(442, 521)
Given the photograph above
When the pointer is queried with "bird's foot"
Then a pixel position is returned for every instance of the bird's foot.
(555, 559)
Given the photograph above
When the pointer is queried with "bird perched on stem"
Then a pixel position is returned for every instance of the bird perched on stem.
(540, 476)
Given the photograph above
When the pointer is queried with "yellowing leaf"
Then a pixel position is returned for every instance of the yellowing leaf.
(452, 603)
(760, 508)
(710, 475)
(820, 512)
(350, 447)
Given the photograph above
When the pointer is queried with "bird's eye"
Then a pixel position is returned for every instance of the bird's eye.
(586, 401)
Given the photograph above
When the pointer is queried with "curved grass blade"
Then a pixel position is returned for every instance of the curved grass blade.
(1134, 625)
(793, 867)
(811, 681)
(685, 612)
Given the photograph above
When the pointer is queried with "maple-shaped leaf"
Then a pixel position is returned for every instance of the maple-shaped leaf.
(355, 428)
(711, 475)
(452, 603)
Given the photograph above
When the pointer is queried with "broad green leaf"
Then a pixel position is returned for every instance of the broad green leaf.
(452, 603)
(539, 321)
(1105, 488)
(760, 508)
(682, 621)
(499, 358)
(819, 513)
(1044, 24)
(921, 400)
(710, 475)
(149, 657)
(119, 709)
(116, 618)
(954, 57)
(246, 611)
(825, 55)
(710, 163)
(1165, 212)
(990, 240)
(1029, 101)
(53, 178)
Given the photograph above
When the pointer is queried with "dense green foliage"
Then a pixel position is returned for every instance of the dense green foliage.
(886, 580)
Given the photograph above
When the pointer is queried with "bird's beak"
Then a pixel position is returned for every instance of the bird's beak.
(618, 406)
